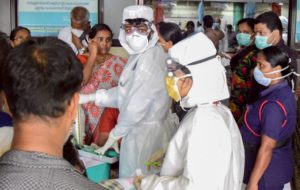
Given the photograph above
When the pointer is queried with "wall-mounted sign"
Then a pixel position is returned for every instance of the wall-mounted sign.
(47, 17)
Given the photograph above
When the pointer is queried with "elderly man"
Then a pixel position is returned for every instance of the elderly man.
(141, 95)
(75, 35)
(41, 80)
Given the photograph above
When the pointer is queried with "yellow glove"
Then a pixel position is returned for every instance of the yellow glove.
(156, 159)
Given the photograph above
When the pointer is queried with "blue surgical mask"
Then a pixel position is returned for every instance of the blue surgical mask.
(243, 39)
(261, 79)
(261, 42)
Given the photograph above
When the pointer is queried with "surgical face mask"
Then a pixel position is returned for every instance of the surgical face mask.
(243, 39)
(172, 88)
(77, 32)
(137, 41)
(261, 42)
(261, 79)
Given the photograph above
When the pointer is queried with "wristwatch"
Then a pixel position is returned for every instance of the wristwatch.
(81, 51)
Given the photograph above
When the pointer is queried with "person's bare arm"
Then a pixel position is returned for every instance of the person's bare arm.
(102, 138)
(263, 159)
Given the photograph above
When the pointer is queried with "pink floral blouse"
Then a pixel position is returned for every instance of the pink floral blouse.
(104, 76)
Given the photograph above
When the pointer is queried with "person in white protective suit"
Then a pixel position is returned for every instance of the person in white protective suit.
(141, 95)
(207, 151)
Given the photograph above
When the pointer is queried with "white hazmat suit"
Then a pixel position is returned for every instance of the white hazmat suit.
(207, 151)
(142, 99)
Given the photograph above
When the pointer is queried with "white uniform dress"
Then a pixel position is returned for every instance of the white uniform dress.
(207, 150)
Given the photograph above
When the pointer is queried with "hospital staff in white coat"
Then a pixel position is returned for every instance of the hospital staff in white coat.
(141, 95)
(207, 151)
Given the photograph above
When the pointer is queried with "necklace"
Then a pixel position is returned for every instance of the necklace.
(101, 60)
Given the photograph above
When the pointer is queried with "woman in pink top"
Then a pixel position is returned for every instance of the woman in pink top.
(101, 71)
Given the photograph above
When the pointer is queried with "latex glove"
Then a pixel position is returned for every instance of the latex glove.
(156, 158)
(85, 98)
(112, 141)
(100, 98)
(95, 146)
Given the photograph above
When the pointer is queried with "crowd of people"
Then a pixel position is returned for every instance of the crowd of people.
(163, 106)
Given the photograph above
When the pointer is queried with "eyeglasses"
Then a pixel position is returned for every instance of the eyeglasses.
(143, 28)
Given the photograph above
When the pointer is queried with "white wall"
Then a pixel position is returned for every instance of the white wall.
(113, 12)
(5, 20)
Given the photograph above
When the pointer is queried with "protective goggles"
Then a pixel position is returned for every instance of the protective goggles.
(174, 65)
(142, 28)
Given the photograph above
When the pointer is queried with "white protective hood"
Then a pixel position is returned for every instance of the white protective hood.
(133, 12)
(209, 77)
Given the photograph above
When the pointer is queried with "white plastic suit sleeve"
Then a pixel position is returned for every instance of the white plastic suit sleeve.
(107, 98)
(85, 98)
(145, 94)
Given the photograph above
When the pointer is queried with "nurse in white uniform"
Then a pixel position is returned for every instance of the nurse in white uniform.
(207, 151)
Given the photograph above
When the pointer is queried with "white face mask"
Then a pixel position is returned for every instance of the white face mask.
(77, 32)
(137, 41)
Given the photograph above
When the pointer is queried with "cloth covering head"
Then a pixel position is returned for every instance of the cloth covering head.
(138, 11)
(135, 12)
(209, 77)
